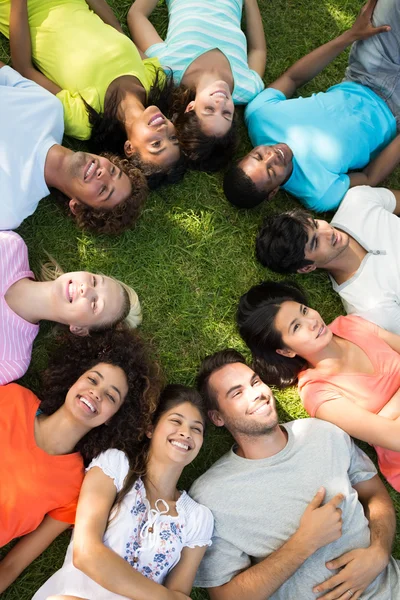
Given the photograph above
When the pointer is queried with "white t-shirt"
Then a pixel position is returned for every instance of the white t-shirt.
(149, 540)
(373, 292)
(31, 122)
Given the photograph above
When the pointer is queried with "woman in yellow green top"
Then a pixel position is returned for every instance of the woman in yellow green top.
(101, 78)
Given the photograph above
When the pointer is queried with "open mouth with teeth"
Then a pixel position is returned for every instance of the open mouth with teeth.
(70, 291)
(220, 94)
(180, 445)
(90, 407)
(157, 120)
(90, 171)
(261, 406)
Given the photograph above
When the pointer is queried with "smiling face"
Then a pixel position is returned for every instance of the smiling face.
(302, 329)
(97, 395)
(84, 300)
(268, 167)
(325, 243)
(178, 435)
(246, 404)
(95, 181)
(214, 108)
(153, 136)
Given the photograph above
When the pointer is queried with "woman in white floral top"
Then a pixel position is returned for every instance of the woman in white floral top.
(136, 536)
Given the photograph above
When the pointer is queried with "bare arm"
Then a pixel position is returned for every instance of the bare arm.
(103, 10)
(102, 564)
(2, 64)
(313, 63)
(360, 567)
(20, 46)
(27, 549)
(318, 526)
(181, 578)
(143, 33)
(379, 168)
(256, 46)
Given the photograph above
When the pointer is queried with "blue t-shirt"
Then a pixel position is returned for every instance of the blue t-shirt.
(330, 133)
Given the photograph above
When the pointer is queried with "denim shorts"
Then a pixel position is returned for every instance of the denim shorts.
(376, 62)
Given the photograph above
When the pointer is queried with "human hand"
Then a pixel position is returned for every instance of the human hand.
(362, 27)
(358, 568)
(321, 525)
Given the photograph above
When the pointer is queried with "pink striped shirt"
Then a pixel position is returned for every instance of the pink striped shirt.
(16, 334)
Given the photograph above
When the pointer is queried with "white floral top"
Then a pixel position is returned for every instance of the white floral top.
(148, 539)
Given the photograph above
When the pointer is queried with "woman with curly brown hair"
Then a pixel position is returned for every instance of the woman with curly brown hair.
(136, 535)
(98, 393)
(83, 301)
(214, 64)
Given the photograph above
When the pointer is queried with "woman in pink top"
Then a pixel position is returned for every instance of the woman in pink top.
(348, 373)
(84, 301)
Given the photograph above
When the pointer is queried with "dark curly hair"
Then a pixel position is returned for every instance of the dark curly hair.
(240, 190)
(109, 134)
(255, 318)
(123, 348)
(172, 395)
(124, 215)
(210, 364)
(203, 152)
(281, 241)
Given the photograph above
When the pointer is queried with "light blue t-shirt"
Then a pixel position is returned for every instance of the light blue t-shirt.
(197, 27)
(330, 133)
(31, 122)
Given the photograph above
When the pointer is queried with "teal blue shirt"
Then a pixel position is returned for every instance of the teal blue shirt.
(330, 134)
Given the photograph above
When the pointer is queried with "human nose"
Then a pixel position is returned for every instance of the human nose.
(184, 431)
(84, 289)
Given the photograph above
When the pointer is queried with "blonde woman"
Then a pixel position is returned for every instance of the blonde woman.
(83, 301)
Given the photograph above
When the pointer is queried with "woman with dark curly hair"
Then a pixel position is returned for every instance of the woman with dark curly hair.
(98, 74)
(207, 51)
(98, 393)
(136, 535)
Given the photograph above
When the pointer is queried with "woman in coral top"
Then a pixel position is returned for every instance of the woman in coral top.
(97, 393)
(348, 373)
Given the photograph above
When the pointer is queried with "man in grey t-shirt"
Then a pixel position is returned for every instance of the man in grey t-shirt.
(260, 491)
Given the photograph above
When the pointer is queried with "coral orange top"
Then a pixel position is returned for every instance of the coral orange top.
(32, 482)
(369, 391)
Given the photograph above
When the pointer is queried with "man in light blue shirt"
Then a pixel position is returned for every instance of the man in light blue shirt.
(318, 147)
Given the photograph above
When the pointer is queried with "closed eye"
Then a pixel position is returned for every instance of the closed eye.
(111, 398)
(92, 380)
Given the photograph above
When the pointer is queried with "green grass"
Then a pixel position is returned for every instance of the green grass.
(191, 255)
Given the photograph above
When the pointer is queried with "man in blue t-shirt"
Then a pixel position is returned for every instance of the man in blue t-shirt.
(317, 147)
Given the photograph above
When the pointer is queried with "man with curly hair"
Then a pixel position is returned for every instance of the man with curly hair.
(104, 193)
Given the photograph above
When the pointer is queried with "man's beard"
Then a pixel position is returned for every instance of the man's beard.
(250, 428)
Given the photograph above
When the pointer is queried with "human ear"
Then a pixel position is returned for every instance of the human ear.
(128, 149)
(273, 193)
(190, 106)
(81, 331)
(149, 434)
(307, 268)
(216, 418)
(286, 352)
(73, 205)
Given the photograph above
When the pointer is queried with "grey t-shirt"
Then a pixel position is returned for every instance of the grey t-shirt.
(257, 505)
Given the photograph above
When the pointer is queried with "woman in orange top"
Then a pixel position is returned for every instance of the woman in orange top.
(348, 373)
(99, 392)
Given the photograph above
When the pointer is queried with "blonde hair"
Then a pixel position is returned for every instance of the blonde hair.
(132, 315)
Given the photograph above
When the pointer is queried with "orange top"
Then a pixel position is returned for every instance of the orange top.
(371, 392)
(32, 482)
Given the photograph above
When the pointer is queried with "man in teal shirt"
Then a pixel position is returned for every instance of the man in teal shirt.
(318, 147)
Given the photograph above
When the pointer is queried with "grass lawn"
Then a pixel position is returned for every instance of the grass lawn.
(192, 255)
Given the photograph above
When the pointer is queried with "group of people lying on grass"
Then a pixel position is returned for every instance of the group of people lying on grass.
(157, 107)
(294, 509)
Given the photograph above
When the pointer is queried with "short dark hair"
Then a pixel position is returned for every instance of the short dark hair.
(210, 364)
(240, 190)
(255, 317)
(281, 241)
(124, 215)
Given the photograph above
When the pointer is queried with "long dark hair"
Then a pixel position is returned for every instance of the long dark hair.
(256, 315)
(124, 348)
(203, 152)
(108, 131)
(172, 395)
